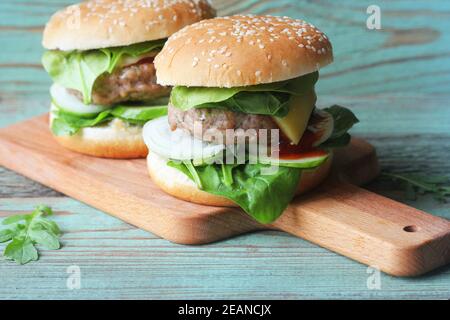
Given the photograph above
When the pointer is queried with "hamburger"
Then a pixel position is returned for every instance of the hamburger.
(242, 127)
(100, 57)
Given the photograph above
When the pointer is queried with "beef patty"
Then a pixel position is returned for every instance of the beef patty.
(216, 122)
(136, 82)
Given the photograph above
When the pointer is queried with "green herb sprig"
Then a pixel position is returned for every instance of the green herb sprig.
(28, 230)
(416, 184)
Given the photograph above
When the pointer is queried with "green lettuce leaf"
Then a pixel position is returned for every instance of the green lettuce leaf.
(67, 124)
(80, 69)
(263, 196)
(265, 99)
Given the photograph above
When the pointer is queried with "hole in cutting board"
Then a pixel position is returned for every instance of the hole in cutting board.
(411, 229)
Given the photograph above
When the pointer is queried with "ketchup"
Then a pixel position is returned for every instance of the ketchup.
(304, 149)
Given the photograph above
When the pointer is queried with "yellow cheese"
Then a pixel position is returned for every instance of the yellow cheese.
(294, 124)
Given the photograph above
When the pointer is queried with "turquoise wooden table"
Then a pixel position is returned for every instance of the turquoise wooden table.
(397, 80)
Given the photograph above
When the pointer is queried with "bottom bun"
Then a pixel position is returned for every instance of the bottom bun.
(177, 184)
(116, 140)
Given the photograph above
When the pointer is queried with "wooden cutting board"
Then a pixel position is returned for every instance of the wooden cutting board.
(340, 216)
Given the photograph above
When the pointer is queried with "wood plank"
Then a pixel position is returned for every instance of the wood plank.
(15, 185)
(336, 217)
(118, 261)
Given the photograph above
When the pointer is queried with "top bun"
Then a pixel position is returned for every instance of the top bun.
(242, 51)
(99, 24)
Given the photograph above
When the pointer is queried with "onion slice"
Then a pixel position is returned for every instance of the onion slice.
(178, 144)
(68, 102)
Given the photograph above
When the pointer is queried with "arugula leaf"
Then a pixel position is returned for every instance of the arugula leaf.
(80, 69)
(21, 250)
(25, 231)
(265, 99)
(416, 183)
(67, 124)
(6, 235)
(14, 219)
(44, 237)
(263, 196)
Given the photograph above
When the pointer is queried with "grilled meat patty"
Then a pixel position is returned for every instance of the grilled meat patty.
(136, 82)
(216, 122)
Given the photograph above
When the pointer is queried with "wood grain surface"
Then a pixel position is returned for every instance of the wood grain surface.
(396, 80)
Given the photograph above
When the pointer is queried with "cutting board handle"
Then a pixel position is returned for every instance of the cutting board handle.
(369, 228)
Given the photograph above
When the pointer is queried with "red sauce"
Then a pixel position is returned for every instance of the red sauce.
(304, 149)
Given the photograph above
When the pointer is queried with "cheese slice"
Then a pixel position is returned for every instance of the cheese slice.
(294, 124)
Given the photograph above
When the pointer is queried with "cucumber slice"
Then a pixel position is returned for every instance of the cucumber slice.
(307, 162)
(177, 145)
(69, 103)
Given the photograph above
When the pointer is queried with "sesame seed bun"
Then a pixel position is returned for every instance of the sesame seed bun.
(177, 184)
(241, 51)
(116, 140)
(99, 24)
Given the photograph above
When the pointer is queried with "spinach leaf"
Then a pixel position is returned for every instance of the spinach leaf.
(263, 195)
(344, 120)
(67, 124)
(265, 99)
